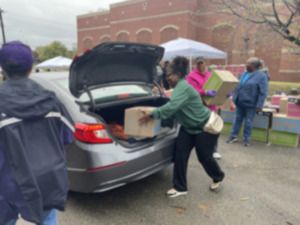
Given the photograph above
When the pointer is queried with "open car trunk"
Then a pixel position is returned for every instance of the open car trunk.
(114, 76)
(114, 119)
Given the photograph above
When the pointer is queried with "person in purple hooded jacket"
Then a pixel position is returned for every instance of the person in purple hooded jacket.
(34, 127)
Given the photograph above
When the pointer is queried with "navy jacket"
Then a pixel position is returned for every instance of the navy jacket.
(34, 127)
(253, 92)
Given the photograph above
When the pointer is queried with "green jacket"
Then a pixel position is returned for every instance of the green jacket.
(187, 107)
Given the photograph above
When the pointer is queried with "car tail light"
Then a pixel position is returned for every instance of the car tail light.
(91, 133)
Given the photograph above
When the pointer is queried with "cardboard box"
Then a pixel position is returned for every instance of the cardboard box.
(223, 82)
(132, 127)
(260, 121)
(293, 109)
(286, 124)
(227, 128)
(276, 99)
(283, 138)
(258, 134)
(227, 104)
(227, 116)
(283, 103)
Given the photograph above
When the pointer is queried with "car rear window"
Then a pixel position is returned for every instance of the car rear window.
(112, 93)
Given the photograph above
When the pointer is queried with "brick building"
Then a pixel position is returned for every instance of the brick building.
(157, 21)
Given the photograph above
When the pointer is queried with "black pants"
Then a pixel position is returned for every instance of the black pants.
(204, 143)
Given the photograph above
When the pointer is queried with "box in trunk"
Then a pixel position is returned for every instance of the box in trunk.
(132, 127)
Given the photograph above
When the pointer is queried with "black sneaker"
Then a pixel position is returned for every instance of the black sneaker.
(246, 143)
(231, 140)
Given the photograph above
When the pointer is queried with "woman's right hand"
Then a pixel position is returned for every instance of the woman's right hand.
(144, 119)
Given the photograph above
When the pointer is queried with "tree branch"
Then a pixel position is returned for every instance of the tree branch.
(275, 13)
(288, 5)
(281, 16)
(240, 16)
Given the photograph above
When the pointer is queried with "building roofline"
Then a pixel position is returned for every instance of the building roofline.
(93, 14)
(128, 2)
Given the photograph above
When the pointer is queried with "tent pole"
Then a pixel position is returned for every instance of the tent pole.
(190, 63)
(226, 61)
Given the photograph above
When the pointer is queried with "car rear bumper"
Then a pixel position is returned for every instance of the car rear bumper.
(108, 178)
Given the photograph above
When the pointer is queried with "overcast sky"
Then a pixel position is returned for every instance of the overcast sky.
(40, 22)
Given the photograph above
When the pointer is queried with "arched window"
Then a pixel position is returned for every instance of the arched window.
(122, 35)
(105, 38)
(144, 35)
(168, 33)
(87, 43)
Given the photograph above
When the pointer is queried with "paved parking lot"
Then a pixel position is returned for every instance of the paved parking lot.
(262, 187)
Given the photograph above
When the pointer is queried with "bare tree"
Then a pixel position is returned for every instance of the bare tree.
(282, 16)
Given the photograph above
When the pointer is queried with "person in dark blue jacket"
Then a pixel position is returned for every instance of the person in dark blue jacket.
(34, 127)
(249, 97)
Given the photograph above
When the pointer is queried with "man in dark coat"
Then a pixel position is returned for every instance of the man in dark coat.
(34, 127)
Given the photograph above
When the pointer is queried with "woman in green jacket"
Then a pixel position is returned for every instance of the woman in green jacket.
(187, 107)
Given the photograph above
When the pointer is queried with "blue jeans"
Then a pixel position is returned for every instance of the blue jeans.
(243, 114)
(49, 218)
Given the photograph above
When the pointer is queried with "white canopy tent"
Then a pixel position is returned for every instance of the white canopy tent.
(58, 62)
(191, 49)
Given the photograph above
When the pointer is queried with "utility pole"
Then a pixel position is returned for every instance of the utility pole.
(2, 26)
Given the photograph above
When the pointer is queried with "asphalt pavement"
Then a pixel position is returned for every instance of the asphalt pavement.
(261, 187)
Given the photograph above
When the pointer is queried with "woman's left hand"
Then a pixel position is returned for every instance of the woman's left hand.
(211, 93)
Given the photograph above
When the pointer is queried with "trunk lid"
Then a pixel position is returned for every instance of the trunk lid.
(114, 63)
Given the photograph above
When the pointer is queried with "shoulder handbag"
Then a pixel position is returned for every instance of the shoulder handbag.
(214, 125)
